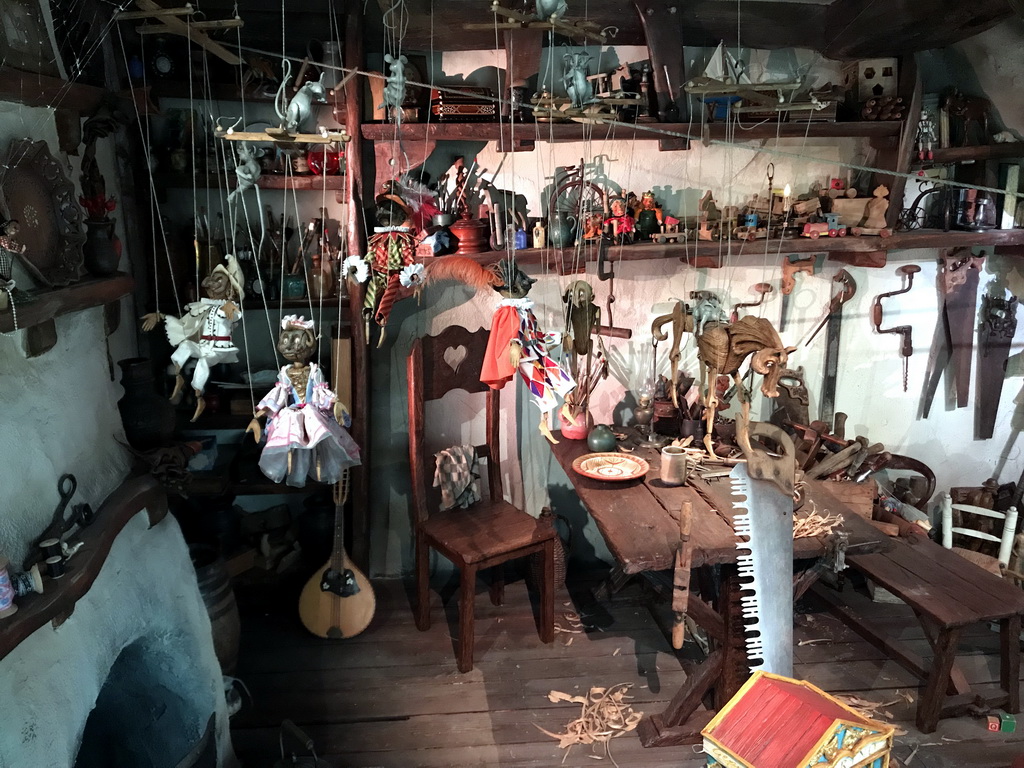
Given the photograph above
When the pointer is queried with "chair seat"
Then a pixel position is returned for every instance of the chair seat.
(989, 563)
(484, 530)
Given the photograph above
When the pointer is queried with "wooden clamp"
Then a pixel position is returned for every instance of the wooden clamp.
(681, 576)
(907, 346)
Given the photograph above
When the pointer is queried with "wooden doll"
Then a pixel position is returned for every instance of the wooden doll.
(516, 343)
(204, 331)
(306, 425)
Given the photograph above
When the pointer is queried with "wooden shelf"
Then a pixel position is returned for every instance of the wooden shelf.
(311, 182)
(44, 91)
(531, 132)
(178, 89)
(89, 293)
(303, 303)
(1009, 150)
(863, 251)
(58, 600)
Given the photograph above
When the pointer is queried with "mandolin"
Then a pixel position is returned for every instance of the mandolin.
(337, 601)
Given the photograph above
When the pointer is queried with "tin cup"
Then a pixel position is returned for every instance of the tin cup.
(674, 465)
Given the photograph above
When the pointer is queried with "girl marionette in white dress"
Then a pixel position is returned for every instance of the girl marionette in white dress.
(306, 425)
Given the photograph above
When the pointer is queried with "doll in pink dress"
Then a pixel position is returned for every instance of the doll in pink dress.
(306, 425)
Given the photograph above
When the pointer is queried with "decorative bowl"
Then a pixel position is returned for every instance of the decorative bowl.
(613, 467)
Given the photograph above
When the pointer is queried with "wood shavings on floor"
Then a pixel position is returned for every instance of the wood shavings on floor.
(605, 714)
(876, 710)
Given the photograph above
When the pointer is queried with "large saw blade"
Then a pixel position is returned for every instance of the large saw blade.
(764, 523)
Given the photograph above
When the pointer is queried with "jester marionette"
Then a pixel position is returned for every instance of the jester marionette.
(306, 424)
(204, 331)
(392, 248)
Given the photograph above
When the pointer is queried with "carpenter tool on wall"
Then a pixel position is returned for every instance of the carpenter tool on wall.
(762, 289)
(907, 346)
(958, 294)
(998, 324)
(790, 268)
(833, 320)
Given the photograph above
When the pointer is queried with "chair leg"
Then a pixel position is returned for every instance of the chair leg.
(547, 594)
(1009, 661)
(422, 583)
(468, 593)
(929, 705)
(498, 584)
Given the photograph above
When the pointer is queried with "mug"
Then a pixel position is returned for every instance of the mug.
(674, 465)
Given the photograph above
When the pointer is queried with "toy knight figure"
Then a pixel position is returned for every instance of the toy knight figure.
(306, 425)
(516, 343)
(925, 137)
(204, 331)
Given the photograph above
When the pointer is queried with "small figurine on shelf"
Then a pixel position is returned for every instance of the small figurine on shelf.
(516, 343)
(874, 214)
(926, 137)
(10, 249)
(621, 220)
(306, 426)
(648, 221)
(204, 331)
(593, 228)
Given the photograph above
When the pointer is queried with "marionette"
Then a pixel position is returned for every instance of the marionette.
(307, 432)
(391, 248)
(621, 221)
(10, 249)
(204, 331)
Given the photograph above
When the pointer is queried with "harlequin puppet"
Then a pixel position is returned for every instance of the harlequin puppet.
(306, 425)
(516, 343)
(391, 248)
(204, 331)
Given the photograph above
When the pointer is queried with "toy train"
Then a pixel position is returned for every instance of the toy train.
(830, 226)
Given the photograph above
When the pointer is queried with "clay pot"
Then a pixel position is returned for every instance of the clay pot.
(102, 248)
(601, 439)
(147, 417)
(577, 432)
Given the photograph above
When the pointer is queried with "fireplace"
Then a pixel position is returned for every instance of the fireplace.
(130, 678)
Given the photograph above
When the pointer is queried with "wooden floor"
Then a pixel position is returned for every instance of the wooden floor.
(392, 697)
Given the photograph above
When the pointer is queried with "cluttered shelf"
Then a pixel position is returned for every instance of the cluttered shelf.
(267, 181)
(715, 253)
(46, 305)
(557, 132)
(1008, 150)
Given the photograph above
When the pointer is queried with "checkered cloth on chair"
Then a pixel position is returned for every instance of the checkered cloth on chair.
(456, 475)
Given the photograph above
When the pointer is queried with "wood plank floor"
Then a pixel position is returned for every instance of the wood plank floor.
(393, 698)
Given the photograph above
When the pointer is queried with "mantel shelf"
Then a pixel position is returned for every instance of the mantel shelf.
(59, 598)
(72, 298)
(860, 251)
(528, 133)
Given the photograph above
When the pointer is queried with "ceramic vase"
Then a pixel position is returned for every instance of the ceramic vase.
(147, 416)
(102, 248)
(577, 431)
(561, 230)
(602, 440)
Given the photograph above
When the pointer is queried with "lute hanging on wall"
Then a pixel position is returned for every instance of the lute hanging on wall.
(337, 601)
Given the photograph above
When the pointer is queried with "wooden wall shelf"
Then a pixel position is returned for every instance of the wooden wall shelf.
(75, 297)
(311, 182)
(859, 251)
(58, 600)
(1009, 151)
(43, 91)
(527, 133)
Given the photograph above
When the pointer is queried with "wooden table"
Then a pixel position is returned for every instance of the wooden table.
(639, 522)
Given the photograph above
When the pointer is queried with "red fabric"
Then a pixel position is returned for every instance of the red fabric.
(777, 723)
(497, 369)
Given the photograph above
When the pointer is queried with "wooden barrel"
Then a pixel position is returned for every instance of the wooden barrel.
(215, 587)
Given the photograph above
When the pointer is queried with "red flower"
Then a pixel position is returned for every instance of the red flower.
(97, 206)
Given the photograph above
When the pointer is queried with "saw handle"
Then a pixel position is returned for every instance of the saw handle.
(789, 270)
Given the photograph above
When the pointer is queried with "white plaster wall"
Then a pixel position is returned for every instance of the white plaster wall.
(870, 381)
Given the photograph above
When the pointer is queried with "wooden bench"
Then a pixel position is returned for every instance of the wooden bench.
(947, 594)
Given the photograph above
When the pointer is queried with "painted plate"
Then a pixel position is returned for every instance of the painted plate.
(611, 466)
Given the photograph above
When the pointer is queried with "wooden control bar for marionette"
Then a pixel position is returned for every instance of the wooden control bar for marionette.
(171, 24)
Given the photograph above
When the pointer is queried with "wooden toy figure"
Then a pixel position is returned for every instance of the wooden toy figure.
(620, 221)
(926, 137)
(204, 331)
(648, 221)
(306, 426)
(516, 343)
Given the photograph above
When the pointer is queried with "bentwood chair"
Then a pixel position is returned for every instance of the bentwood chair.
(487, 534)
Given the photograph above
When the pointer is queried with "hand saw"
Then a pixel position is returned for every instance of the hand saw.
(764, 520)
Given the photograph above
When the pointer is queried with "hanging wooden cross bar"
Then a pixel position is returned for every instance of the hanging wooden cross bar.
(194, 26)
(171, 24)
(280, 136)
(516, 20)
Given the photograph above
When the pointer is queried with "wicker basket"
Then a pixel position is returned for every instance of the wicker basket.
(563, 548)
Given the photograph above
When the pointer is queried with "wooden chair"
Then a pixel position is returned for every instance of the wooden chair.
(992, 564)
(492, 531)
